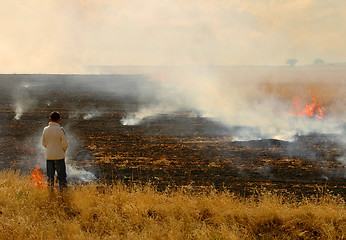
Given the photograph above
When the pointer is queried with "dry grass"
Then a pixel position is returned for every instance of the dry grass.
(99, 211)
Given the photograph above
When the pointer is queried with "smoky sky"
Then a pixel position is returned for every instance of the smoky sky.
(65, 36)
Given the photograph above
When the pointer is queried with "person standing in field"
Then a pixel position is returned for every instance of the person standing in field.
(55, 141)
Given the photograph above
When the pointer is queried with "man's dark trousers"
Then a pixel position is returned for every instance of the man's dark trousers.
(60, 167)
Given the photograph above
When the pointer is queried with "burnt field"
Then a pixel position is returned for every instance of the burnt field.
(168, 150)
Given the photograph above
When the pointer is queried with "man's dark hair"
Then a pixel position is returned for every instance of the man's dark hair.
(55, 116)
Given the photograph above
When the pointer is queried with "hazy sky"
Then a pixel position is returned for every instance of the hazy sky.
(59, 36)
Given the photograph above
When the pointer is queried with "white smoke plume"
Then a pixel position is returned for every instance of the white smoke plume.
(147, 114)
(22, 100)
(86, 112)
(240, 98)
(92, 114)
(72, 159)
(342, 158)
(79, 174)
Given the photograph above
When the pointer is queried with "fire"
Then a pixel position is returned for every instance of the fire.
(301, 108)
(36, 173)
(37, 177)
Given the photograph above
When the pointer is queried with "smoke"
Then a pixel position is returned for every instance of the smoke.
(23, 99)
(143, 114)
(149, 113)
(79, 175)
(342, 158)
(87, 112)
(77, 160)
(241, 99)
(92, 114)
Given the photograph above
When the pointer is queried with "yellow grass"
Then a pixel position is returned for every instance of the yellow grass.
(99, 211)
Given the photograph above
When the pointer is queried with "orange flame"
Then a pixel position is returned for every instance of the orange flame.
(37, 177)
(36, 173)
(302, 108)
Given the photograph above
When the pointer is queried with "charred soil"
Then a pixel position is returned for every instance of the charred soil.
(167, 151)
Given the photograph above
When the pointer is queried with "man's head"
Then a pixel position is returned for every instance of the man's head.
(55, 117)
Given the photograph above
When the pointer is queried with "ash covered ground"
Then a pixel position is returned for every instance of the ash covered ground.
(134, 129)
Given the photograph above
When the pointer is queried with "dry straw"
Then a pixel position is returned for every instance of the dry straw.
(100, 211)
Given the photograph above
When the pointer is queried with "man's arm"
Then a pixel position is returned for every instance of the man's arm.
(64, 140)
(43, 140)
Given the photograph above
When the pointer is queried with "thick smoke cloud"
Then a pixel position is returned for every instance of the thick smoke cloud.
(236, 98)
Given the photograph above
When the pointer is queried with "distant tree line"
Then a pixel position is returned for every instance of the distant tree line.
(292, 62)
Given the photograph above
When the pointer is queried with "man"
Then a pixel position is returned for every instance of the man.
(56, 144)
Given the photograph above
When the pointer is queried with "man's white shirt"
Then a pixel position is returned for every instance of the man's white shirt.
(55, 141)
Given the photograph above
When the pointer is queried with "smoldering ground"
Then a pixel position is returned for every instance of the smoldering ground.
(240, 104)
(260, 99)
(28, 101)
